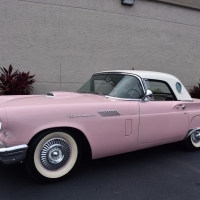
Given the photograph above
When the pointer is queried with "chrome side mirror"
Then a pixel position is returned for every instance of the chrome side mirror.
(147, 97)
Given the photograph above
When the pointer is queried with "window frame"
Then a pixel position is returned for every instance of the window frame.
(127, 74)
(167, 84)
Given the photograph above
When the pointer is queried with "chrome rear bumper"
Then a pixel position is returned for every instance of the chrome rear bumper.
(13, 154)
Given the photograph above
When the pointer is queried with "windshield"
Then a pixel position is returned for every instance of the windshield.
(114, 85)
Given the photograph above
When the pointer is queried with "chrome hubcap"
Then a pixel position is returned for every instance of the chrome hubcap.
(195, 136)
(55, 154)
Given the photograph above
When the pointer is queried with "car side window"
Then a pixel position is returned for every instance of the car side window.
(161, 90)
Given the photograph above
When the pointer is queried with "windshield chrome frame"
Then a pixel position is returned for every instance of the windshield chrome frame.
(129, 74)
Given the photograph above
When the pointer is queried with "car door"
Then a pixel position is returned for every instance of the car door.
(163, 117)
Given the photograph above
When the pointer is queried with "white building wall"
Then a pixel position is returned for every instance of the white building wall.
(81, 37)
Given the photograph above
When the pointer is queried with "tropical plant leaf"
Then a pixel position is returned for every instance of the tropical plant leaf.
(195, 92)
(15, 82)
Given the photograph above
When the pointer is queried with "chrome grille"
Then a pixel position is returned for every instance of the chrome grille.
(108, 113)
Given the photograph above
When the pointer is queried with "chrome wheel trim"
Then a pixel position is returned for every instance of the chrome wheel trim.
(67, 166)
(195, 138)
(55, 154)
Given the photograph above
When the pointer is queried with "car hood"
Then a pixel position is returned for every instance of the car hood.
(52, 98)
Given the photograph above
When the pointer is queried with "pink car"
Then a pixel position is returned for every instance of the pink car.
(113, 113)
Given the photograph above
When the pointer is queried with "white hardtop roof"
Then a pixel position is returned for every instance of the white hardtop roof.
(146, 74)
(170, 79)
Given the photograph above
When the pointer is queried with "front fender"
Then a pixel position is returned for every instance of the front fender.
(22, 126)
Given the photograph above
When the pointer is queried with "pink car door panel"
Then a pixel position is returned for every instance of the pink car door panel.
(160, 120)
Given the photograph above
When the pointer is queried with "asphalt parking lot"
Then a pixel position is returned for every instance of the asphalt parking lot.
(165, 172)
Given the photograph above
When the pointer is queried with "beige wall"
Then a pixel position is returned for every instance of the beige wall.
(85, 36)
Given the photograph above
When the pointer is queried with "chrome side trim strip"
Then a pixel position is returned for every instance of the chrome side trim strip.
(123, 99)
(14, 148)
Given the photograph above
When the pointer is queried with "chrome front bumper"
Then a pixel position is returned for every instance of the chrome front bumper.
(13, 154)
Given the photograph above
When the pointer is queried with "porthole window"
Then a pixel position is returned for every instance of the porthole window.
(179, 88)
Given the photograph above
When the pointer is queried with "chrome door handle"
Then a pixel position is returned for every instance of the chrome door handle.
(181, 106)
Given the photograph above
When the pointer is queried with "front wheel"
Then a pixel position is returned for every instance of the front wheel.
(193, 141)
(53, 155)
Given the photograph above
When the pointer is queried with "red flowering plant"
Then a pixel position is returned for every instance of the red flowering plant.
(195, 92)
(14, 82)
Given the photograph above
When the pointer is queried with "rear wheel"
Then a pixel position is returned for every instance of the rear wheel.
(193, 141)
(52, 155)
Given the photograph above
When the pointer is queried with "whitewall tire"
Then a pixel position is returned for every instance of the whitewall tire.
(193, 141)
(53, 154)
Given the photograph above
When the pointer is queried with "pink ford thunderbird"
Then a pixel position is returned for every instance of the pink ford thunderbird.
(113, 113)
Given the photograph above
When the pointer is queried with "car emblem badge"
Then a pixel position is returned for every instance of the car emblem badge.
(76, 116)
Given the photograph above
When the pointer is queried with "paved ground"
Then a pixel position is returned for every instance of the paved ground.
(166, 172)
